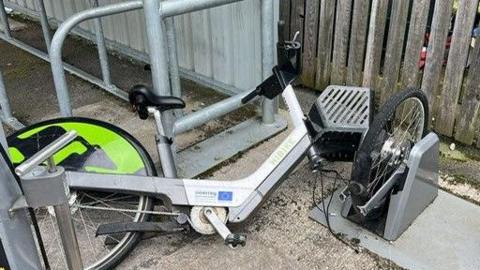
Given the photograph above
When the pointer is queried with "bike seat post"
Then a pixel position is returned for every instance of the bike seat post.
(164, 145)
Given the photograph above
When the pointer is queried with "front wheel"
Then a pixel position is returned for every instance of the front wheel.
(100, 148)
(400, 123)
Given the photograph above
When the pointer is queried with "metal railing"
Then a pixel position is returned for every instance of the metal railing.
(104, 82)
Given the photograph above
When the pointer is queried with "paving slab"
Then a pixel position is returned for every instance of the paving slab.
(445, 236)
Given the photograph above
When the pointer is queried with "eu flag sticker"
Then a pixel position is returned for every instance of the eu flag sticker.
(225, 196)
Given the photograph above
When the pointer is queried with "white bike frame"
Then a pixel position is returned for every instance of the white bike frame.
(241, 197)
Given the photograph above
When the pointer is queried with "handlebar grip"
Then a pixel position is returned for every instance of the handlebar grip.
(45, 153)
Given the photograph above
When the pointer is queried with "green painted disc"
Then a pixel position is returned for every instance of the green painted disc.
(99, 147)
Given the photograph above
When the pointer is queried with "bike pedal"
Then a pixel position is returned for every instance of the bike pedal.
(235, 239)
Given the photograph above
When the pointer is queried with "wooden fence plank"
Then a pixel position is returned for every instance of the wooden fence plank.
(436, 51)
(325, 35)
(415, 40)
(340, 42)
(393, 55)
(297, 18)
(376, 34)
(310, 42)
(358, 38)
(457, 56)
(468, 118)
(285, 10)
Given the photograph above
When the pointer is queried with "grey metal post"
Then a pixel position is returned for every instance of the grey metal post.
(45, 26)
(15, 229)
(66, 230)
(4, 102)
(158, 57)
(102, 48)
(4, 20)
(172, 57)
(268, 106)
(156, 45)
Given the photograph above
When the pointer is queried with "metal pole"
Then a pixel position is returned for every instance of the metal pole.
(57, 44)
(268, 106)
(4, 19)
(45, 27)
(158, 57)
(66, 230)
(164, 147)
(16, 231)
(172, 57)
(4, 102)
(211, 112)
(173, 8)
(102, 48)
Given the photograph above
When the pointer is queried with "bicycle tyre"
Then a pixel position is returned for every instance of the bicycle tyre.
(362, 165)
(20, 141)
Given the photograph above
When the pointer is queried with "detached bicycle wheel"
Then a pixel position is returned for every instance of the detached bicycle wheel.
(101, 148)
(400, 123)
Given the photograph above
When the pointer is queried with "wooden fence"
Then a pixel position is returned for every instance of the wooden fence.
(378, 44)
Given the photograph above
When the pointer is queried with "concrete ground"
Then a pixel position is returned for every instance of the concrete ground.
(280, 234)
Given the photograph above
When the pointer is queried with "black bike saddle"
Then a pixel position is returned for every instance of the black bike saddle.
(141, 97)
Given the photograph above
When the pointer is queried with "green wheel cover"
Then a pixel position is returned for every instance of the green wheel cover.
(99, 147)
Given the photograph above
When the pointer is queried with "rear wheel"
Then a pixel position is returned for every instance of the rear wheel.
(101, 148)
(400, 123)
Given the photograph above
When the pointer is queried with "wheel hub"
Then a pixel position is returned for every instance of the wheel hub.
(394, 152)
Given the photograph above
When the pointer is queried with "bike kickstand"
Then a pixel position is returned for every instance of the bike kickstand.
(231, 239)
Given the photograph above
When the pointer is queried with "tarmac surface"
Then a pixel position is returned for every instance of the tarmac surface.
(280, 235)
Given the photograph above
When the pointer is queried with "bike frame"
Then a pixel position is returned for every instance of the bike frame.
(241, 197)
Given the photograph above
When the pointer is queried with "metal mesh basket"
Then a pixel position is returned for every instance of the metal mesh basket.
(345, 107)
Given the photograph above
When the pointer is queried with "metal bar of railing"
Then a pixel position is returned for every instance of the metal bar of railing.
(158, 57)
(211, 112)
(45, 26)
(4, 102)
(102, 48)
(59, 38)
(178, 7)
(4, 20)
(157, 49)
(268, 105)
(172, 57)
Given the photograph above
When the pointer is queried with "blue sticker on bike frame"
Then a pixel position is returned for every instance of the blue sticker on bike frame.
(225, 196)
